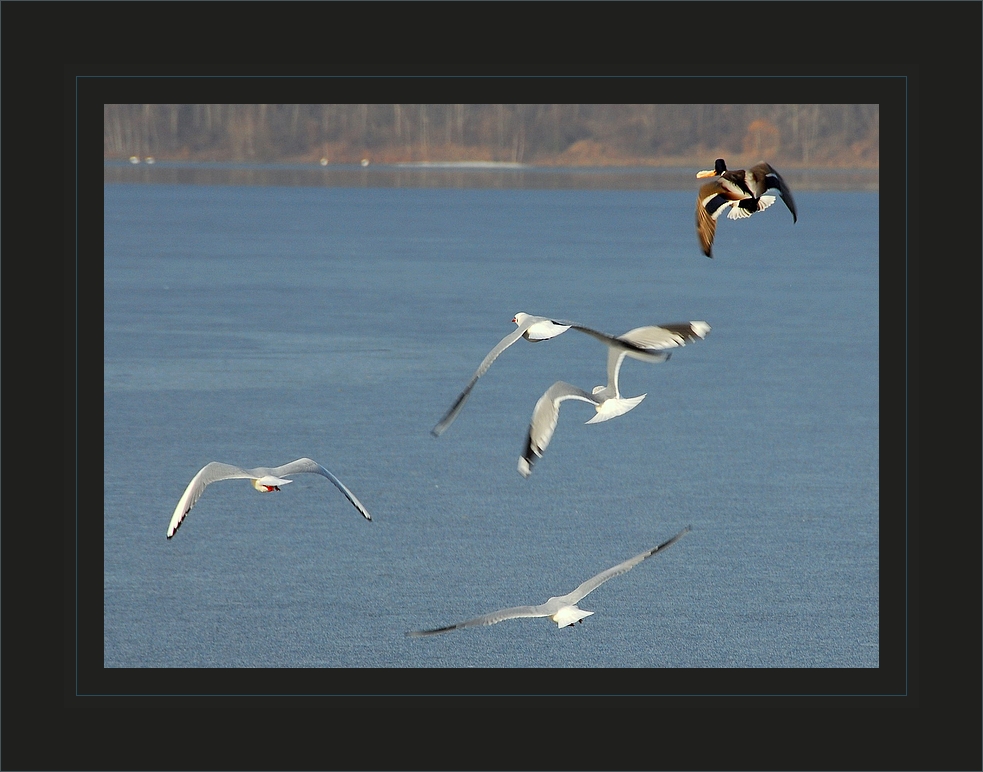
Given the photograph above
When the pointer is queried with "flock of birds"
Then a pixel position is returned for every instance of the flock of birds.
(740, 193)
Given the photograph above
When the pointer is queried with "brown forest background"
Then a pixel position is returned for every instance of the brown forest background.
(812, 135)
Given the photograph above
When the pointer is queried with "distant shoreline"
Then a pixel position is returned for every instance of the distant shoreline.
(735, 161)
(448, 174)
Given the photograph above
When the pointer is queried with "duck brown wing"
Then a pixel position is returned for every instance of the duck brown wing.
(706, 226)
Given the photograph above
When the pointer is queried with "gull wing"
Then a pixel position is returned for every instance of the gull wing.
(649, 344)
(307, 465)
(492, 355)
(655, 337)
(494, 617)
(615, 359)
(619, 343)
(613, 407)
(596, 581)
(212, 472)
(545, 415)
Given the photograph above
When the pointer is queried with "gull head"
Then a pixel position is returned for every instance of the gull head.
(569, 615)
(520, 317)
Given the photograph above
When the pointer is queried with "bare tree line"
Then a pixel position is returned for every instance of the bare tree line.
(821, 134)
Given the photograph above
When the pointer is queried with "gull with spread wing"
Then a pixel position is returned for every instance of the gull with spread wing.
(563, 609)
(264, 479)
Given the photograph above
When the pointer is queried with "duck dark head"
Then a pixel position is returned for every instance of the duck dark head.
(719, 168)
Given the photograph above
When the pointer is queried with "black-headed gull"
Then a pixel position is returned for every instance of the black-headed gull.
(264, 479)
(534, 329)
(740, 192)
(563, 609)
(652, 343)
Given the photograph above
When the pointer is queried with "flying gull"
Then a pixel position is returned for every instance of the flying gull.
(563, 609)
(264, 479)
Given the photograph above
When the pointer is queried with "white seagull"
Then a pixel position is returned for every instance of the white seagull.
(533, 329)
(563, 610)
(651, 343)
(264, 479)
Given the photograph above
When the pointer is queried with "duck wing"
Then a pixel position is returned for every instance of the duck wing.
(713, 199)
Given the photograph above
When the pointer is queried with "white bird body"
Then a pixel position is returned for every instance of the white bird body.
(562, 609)
(264, 479)
(536, 328)
(533, 329)
(651, 345)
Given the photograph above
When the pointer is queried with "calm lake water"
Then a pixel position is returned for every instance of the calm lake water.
(258, 323)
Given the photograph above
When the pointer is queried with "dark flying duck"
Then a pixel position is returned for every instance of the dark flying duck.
(740, 192)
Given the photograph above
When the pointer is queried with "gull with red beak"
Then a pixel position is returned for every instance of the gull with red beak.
(264, 479)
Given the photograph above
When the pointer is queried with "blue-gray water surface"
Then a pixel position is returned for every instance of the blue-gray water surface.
(259, 324)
